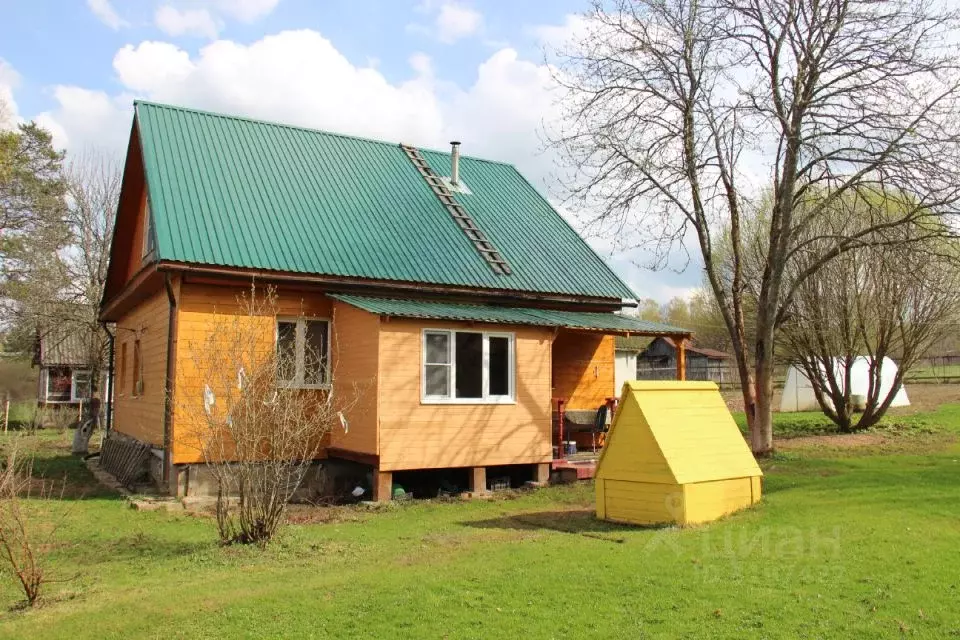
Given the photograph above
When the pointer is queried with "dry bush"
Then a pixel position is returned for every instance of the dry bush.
(258, 436)
(24, 541)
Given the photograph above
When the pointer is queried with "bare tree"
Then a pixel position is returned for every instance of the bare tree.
(256, 434)
(683, 115)
(93, 181)
(58, 285)
(889, 300)
(24, 540)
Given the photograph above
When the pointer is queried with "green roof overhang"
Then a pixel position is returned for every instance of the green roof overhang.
(582, 320)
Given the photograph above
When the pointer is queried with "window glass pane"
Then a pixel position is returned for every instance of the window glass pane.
(437, 381)
(499, 366)
(81, 385)
(469, 359)
(58, 385)
(286, 350)
(438, 349)
(315, 352)
(137, 369)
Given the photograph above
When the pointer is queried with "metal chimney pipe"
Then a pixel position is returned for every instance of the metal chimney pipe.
(455, 162)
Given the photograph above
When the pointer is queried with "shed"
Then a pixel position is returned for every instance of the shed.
(674, 455)
(658, 361)
(798, 392)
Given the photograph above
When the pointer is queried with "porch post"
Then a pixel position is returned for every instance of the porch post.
(681, 359)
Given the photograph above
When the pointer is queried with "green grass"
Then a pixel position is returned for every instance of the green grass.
(865, 546)
(901, 422)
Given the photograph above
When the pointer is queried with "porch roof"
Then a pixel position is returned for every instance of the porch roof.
(592, 321)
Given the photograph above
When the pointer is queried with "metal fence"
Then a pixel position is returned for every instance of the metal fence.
(932, 370)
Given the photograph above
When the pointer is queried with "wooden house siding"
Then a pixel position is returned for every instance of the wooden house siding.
(355, 346)
(198, 308)
(419, 436)
(583, 369)
(141, 416)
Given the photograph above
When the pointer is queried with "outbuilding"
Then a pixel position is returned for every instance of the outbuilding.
(674, 455)
(798, 392)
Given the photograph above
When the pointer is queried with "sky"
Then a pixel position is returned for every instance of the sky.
(418, 71)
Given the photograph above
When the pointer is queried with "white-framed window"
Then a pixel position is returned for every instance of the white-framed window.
(82, 385)
(303, 352)
(59, 384)
(468, 367)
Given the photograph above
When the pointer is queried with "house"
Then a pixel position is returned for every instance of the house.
(659, 361)
(63, 355)
(445, 283)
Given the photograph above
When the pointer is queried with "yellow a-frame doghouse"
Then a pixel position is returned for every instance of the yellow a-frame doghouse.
(674, 455)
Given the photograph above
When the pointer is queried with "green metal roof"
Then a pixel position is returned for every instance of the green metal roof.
(507, 315)
(232, 191)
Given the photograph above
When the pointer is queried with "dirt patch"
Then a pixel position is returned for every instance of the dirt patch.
(869, 443)
(838, 441)
(318, 514)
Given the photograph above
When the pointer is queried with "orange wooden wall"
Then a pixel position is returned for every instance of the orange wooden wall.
(201, 308)
(583, 368)
(419, 436)
(378, 364)
(142, 416)
(354, 344)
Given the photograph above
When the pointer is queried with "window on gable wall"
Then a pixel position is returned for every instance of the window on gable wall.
(149, 233)
(467, 367)
(303, 352)
(137, 369)
(122, 369)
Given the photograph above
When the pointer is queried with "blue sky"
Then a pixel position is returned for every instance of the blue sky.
(422, 71)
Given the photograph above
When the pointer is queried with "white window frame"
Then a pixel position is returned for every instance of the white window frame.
(451, 346)
(46, 386)
(300, 338)
(73, 385)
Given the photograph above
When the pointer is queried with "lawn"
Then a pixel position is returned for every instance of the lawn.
(858, 545)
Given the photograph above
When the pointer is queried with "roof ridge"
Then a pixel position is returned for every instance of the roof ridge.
(287, 125)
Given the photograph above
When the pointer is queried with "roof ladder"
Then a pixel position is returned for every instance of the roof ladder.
(457, 212)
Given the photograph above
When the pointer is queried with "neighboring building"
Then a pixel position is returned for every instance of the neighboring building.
(446, 285)
(628, 349)
(659, 362)
(65, 374)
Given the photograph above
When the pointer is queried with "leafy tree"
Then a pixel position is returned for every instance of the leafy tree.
(32, 208)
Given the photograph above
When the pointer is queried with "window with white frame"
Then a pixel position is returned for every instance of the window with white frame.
(303, 349)
(59, 384)
(82, 385)
(468, 367)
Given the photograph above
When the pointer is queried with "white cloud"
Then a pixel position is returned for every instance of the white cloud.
(554, 36)
(247, 10)
(107, 14)
(451, 20)
(186, 22)
(456, 21)
(9, 79)
(86, 118)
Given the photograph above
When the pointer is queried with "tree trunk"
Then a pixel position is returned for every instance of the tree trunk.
(761, 431)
